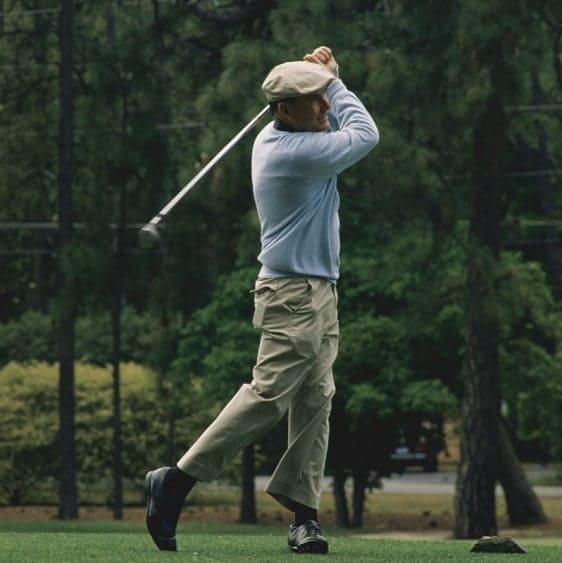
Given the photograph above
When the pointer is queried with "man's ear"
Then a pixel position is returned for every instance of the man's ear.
(284, 112)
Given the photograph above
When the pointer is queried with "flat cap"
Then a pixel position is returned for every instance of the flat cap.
(295, 78)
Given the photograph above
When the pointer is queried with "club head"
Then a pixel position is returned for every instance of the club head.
(149, 236)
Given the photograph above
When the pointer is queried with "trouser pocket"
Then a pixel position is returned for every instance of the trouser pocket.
(263, 293)
(279, 302)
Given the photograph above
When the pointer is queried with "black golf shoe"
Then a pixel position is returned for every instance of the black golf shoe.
(163, 508)
(307, 538)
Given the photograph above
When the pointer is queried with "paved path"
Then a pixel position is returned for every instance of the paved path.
(442, 482)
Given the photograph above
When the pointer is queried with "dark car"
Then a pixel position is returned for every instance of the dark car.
(404, 456)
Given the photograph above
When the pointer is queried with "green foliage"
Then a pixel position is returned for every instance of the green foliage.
(366, 404)
(526, 301)
(535, 401)
(144, 339)
(28, 446)
(373, 348)
(530, 364)
(404, 208)
(218, 343)
(29, 422)
(230, 358)
(429, 399)
(27, 338)
(159, 89)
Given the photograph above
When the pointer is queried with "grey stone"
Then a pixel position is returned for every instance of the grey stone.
(497, 544)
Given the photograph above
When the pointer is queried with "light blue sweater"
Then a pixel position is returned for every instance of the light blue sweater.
(294, 176)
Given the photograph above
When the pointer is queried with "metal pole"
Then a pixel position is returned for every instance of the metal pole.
(150, 231)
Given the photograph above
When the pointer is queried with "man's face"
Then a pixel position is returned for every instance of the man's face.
(306, 113)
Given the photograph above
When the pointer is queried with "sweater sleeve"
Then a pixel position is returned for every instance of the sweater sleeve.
(329, 153)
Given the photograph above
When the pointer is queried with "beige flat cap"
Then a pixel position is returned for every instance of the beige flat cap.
(295, 78)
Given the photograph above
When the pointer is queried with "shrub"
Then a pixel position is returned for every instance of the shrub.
(29, 419)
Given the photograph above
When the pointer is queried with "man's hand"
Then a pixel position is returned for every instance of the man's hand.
(323, 56)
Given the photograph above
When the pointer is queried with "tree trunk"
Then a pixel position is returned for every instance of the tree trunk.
(523, 505)
(68, 498)
(340, 500)
(248, 488)
(117, 465)
(118, 180)
(116, 309)
(359, 486)
(477, 471)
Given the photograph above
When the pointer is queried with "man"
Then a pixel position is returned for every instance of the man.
(319, 130)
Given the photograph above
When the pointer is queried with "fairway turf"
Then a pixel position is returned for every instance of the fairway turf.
(209, 532)
(122, 542)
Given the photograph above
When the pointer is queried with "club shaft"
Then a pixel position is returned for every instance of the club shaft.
(201, 174)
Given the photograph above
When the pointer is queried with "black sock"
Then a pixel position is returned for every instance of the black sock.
(179, 481)
(304, 513)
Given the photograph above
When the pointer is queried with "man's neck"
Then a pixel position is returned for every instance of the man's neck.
(282, 126)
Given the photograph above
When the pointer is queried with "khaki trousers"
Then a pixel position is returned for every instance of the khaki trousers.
(293, 372)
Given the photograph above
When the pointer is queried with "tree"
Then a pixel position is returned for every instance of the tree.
(66, 302)
(465, 107)
(28, 156)
(523, 505)
(248, 513)
(478, 467)
(477, 475)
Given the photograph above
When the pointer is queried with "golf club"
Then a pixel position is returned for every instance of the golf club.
(149, 234)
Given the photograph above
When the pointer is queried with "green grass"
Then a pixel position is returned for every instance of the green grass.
(208, 532)
(123, 542)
